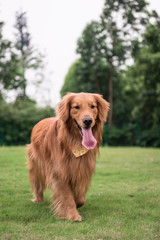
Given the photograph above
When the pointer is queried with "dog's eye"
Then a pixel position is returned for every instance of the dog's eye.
(77, 107)
(92, 106)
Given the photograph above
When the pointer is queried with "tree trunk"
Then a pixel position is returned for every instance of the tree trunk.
(24, 77)
(24, 88)
(110, 97)
(97, 84)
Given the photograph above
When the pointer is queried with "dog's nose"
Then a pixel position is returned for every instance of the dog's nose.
(87, 121)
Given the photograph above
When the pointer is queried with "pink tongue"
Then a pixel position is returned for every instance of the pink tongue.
(88, 140)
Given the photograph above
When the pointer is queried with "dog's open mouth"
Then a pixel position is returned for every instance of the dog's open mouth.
(88, 140)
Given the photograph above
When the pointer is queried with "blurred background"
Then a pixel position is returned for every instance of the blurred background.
(110, 47)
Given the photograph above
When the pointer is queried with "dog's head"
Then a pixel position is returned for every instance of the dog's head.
(86, 110)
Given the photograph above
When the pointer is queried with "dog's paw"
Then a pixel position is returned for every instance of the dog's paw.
(74, 217)
(77, 219)
(35, 200)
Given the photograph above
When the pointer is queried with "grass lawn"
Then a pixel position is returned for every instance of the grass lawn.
(123, 201)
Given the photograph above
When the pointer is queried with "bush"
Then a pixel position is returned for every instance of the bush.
(17, 120)
(151, 137)
(120, 136)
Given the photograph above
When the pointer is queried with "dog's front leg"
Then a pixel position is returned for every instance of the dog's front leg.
(63, 200)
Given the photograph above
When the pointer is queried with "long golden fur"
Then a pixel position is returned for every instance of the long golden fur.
(51, 161)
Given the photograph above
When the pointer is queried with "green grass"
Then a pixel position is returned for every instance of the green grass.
(123, 201)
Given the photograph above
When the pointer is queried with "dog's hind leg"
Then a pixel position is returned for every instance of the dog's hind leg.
(37, 187)
(35, 181)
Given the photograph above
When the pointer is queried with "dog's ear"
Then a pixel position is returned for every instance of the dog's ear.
(103, 107)
(63, 107)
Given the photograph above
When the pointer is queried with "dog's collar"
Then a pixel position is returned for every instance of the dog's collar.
(80, 151)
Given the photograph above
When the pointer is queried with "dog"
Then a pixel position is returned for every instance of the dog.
(63, 149)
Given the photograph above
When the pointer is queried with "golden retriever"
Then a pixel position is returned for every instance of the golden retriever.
(62, 153)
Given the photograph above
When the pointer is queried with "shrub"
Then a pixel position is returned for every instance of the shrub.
(17, 120)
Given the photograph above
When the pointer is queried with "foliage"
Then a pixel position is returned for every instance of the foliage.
(80, 78)
(146, 71)
(17, 120)
(76, 81)
(122, 202)
(110, 41)
(29, 58)
(104, 47)
(10, 71)
(126, 135)
(123, 31)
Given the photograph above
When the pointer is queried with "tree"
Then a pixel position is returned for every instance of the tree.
(29, 58)
(121, 20)
(90, 47)
(88, 73)
(146, 71)
(80, 78)
(91, 73)
(10, 71)
(16, 59)
(110, 42)
(104, 48)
